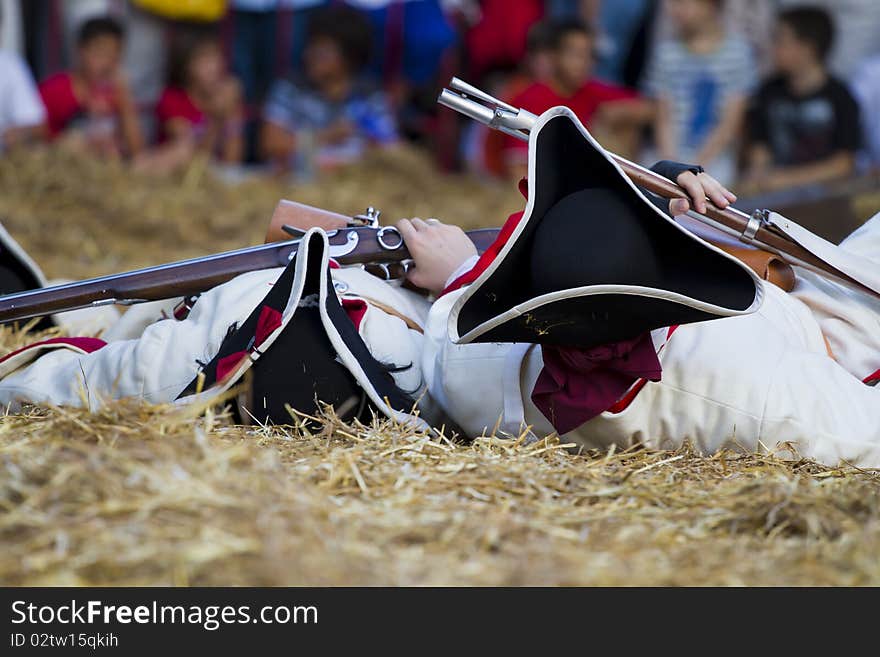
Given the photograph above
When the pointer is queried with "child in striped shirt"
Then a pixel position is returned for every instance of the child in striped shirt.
(701, 81)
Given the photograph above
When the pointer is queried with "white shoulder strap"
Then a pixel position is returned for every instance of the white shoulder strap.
(859, 268)
(513, 421)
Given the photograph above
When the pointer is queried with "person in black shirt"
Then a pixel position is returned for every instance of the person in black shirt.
(803, 124)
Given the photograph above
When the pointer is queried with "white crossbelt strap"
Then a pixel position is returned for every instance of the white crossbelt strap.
(857, 267)
(513, 420)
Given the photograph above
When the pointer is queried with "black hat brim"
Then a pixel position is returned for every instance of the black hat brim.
(689, 281)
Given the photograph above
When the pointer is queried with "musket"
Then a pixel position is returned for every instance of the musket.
(353, 241)
(762, 229)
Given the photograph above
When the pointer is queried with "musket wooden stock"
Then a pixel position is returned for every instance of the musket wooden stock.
(736, 221)
(302, 216)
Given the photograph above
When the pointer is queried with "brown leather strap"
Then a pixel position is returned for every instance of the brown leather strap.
(768, 266)
(410, 323)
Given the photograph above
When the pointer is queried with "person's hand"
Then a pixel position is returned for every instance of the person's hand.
(337, 132)
(437, 250)
(122, 88)
(698, 187)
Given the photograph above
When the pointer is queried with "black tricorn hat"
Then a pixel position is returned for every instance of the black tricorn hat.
(299, 347)
(593, 261)
(18, 272)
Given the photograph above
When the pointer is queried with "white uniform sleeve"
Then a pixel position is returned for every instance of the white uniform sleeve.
(155, 367)
(463, 268)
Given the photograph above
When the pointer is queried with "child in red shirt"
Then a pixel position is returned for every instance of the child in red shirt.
(613, 113)
(537, 66)
(93, 102)
(202, 105)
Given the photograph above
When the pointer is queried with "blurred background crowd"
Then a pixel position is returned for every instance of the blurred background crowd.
(767, 94)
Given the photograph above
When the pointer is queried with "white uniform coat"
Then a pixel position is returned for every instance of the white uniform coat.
(757, 380)
(154, 359)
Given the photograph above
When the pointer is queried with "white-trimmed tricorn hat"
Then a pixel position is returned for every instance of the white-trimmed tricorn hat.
(18, 271)
(297, 348)
(593, 260)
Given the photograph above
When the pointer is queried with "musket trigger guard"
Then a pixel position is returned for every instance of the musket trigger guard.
(380, 237)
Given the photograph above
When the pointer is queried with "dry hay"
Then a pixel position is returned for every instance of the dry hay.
(158, 495)
(82, 217)
(138, 495)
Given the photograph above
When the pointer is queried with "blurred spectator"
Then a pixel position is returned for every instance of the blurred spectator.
(202, 104)
(614, 112)
(866, 87)
(857, 24)
(414, 50)
(487, 152)
(294, 17)
(538, 65)
(333, 115)
(754, 21)
(624, 29)
(93, 102)
(22, 115)
(410, 36)
(701, 80)
(152, 26)
(804, 123)
(146, 61)
(72, 14)
(498, 38)
(267, 38)
(254, 37)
